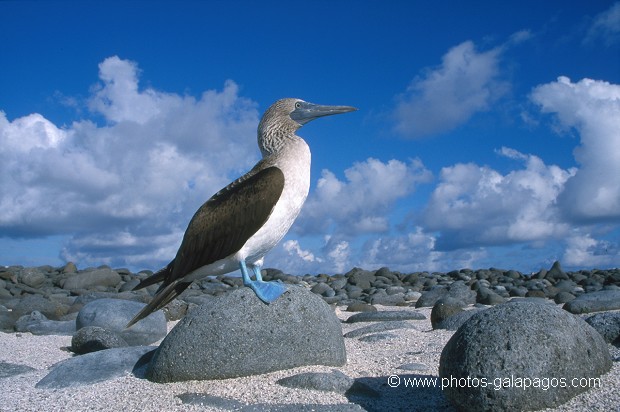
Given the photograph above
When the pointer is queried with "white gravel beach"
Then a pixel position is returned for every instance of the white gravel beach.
(371, 363)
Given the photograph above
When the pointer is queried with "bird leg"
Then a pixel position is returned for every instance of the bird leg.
(266, 291)
(256, 270)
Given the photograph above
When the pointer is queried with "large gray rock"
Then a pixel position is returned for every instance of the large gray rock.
(594, 302)
(93, 367)
(236, 334)
(114, 314)
(500, 349)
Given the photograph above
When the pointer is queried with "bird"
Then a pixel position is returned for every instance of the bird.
(242, 222)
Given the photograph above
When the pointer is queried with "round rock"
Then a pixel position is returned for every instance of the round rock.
(95, 338)
(235, 334)
(516, 344)
(114, 314)
(608, 325)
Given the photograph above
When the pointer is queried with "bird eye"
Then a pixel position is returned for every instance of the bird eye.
(297, 105)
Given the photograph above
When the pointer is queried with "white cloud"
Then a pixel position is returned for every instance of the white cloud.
(142, 173)
(606, 27)
(475, 205)
(583, 250)
(467, 82)
(411, 252)
(360, 204)
(293, 248)
(593, 109)
(339, 254)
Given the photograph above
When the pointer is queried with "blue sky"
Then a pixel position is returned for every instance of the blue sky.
(488, 134)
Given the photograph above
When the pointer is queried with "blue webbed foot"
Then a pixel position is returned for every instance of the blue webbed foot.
(266, 291)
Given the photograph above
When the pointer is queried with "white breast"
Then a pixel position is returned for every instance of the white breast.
(294, 161)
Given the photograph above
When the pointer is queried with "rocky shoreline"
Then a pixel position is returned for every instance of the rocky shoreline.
(565, 324)
(58, 293)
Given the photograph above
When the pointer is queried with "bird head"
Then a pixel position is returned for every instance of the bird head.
(286, 116)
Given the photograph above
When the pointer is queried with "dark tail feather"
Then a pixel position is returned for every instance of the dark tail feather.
(161, 299)
(157, 277)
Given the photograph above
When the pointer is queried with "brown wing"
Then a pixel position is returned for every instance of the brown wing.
(226, 221)
(218, 229)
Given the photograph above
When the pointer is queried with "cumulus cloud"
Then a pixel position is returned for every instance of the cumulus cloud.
(585, 251)
(467, 81)
(412, 252)
(477, 206)
(339, 213)
(605, 27)
(593, 109)
(360, 204)
(142, 173)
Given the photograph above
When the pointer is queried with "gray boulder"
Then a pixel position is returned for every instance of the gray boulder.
(95, 338)
(563, 297)
(31, 303)
(594, 302)
(37, 324)
(459, 290)
(114, 314)
(448, 314)
(608, 325)
(33, 277)
(488, 297)
(431, 296)
(236, 334)
(502, 349)
(93, 367)
(556, 273)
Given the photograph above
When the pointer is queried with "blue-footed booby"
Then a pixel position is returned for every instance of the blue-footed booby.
(236, 227)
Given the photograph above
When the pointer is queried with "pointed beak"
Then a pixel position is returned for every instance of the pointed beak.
(306, 112)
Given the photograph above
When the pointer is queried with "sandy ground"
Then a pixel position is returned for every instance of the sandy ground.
(372, 363)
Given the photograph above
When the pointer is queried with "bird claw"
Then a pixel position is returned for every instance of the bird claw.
(266, 291)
